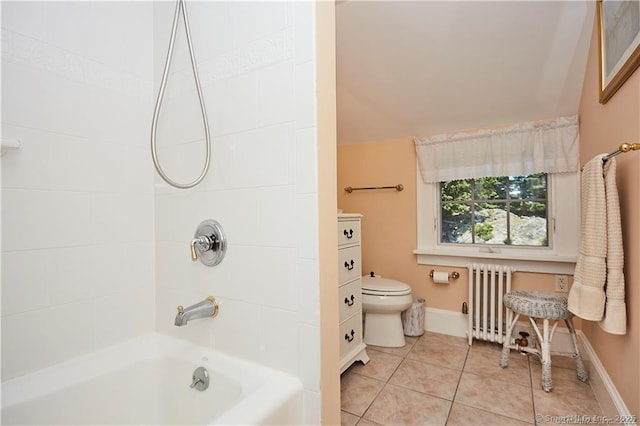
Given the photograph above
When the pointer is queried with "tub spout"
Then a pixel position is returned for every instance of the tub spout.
(206, 308)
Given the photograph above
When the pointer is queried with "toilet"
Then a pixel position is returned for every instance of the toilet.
(383, 300)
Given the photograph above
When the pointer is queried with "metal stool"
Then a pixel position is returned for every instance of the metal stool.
(546, 306)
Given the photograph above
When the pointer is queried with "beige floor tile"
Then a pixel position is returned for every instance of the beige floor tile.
(399, 406)
(431, 337)
(438, 354)
(347, 419)
(565, 381)
(427, 378)
(488, 364)
(559, 361)
(493, 395)
(380, 366)
(555, 408)
(357, 392)
(365, 422)
(403, 351)
(563, 362)
(462, 415)
(484, 393)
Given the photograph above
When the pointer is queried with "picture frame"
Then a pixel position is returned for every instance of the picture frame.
(619, 41)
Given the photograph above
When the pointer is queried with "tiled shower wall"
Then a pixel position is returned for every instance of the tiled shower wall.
(83, 225)
(77, 198)
(256, 63)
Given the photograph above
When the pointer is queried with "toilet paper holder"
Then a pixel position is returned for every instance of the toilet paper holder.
(455, 274)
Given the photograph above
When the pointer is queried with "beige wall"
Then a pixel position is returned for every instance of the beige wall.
(389, 222)
(602, 129)
(327, 225)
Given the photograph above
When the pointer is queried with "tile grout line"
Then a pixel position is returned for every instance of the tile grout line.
(387, 380)
(466, 358)
(528, 367)
(533, 399)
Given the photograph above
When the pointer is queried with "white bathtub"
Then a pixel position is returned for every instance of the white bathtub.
(146, 381)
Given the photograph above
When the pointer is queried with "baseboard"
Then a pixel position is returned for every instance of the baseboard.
(612, 404)
(445, 322)
(455, 324)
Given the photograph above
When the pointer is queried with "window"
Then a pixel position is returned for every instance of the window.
(507, 210)
(530, 222)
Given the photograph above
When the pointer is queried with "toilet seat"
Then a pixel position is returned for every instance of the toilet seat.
(378, 286)
(386, 293)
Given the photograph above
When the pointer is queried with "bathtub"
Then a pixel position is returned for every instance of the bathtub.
(146, 381)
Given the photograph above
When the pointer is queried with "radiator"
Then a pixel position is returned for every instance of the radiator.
(487, 315)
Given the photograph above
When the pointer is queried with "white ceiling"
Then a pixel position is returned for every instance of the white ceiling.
(419, 68)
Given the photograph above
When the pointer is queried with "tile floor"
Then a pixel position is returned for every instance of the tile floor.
(438, 379)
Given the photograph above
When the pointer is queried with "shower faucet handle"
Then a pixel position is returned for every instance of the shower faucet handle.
(209, 243)
(194, 254)
(204, 243)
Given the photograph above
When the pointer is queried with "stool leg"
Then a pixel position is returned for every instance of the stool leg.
(580, 370)
(504, 359)
(547, 383)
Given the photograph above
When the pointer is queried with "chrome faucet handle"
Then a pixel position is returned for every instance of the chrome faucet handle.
(200, 379)
(203, 244)
(209, 244)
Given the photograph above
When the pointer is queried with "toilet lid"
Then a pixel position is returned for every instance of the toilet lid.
(384, 286)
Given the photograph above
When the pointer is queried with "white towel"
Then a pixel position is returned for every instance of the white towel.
(601, 252)
(615, 311)
(587, 297)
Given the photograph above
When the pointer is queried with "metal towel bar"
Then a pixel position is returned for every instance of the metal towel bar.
(350, 189)
(625, 147)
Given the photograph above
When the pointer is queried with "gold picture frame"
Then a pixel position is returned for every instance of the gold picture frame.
(619, 38)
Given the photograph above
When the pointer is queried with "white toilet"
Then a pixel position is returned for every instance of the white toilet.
(383, 300)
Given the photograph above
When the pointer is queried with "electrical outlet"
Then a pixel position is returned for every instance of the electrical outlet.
(562, 283)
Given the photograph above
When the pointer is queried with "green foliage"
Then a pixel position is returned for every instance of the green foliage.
(530, 208)
(455, 190)
(483, 231)
(462, 200)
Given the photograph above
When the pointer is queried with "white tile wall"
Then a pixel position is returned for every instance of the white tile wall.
(95, 245)
(77, 226)
(260, 96)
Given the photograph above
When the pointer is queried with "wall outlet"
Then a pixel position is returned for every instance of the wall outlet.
(562, 283)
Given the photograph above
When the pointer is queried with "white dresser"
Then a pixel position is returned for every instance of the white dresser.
(350, 292)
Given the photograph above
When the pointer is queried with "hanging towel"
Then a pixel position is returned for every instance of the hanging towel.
(587, 297)
(601, 256)
(615, 311)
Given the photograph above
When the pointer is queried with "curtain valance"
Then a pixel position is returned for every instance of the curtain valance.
(549, 146)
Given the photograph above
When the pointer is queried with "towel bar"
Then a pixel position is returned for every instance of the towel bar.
(350, 189)
(625, 147)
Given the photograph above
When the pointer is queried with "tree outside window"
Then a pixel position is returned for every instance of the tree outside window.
(507, 210)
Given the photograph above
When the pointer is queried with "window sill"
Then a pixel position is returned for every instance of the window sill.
(547, 264)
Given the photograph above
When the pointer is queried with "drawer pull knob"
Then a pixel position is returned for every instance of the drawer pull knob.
(350, 338)
(348, 265)
(348, 234)
(349, 302)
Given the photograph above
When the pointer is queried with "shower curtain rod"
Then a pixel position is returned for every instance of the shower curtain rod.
(625, 147)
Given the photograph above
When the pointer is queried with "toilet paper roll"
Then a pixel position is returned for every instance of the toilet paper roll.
(441, 277)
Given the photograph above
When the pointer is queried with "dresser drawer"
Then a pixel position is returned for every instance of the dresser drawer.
(350, 334)
(350, 299)
(348, 232)
(349, 265)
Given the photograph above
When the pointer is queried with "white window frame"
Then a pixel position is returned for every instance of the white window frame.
(563, 192)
